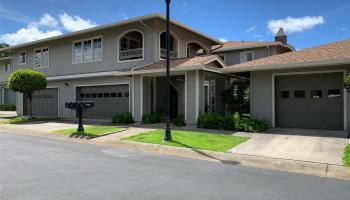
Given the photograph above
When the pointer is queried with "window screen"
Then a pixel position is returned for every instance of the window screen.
(333, 93)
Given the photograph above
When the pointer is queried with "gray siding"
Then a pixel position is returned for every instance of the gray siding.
(192, 101)
(138, 98)
(261, 91)
(146, 92)
(60, 53)
(3, 73)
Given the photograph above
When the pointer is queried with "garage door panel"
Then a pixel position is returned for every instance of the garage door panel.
(316, 109)
(107, 101)
(45, 103)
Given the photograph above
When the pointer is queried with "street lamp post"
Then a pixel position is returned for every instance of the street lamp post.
(167, 135)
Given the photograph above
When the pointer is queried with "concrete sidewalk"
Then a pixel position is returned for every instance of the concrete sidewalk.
(294, 166)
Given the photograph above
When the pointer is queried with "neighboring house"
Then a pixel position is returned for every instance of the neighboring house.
(6, 95)
(301, 89)
(235, 52)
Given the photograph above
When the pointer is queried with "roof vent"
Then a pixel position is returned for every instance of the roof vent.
(281, 36)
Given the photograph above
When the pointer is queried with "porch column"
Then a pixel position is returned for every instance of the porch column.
(193, 96)
(137, 97)
(2, 96)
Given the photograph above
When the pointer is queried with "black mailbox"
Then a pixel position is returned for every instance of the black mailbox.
(80, 106)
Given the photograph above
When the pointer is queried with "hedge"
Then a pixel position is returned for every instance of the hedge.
(152, 118)
(235, 122)
(125, 118)
(8, 107)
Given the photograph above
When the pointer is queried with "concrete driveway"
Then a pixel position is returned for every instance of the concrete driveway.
(322, 146)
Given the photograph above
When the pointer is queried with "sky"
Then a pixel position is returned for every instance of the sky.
(307, 22)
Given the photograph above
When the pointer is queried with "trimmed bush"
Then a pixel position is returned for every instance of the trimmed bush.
(235, 122)
(125, 118)
(180, 120)
(8, 107)
(210, 120)
(152, 118)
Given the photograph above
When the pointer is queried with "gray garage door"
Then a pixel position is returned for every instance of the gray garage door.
(109, 100)
(310, 101)
(45, 102)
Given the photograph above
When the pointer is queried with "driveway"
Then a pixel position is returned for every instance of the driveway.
(322, 146)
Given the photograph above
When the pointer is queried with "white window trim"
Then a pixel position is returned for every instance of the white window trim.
(345, 108)
(177, 45)
(245, 52)
(48, 58)
(25, 57)
(92, 49)
(143, 45)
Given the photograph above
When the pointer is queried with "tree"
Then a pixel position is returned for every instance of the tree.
(3, 53)
(347, 82)
(27, 81)
(236, 97)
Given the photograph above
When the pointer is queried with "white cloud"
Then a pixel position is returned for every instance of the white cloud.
(46, 26)
(124, 16)
(223, 39)
(75, 23)
(250, 29)
(27, 34)
(292, 25)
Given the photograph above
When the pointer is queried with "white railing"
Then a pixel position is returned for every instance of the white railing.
(131, 53)
(172, 54)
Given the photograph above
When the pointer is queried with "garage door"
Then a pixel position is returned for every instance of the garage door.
(109, 100)
(310, 101)
(45, 103)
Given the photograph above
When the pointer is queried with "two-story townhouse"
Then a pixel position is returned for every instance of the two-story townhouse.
(7, 96)
(120, 67)
(235, 52)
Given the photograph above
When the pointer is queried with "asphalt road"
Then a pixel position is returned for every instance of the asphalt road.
(44, 169)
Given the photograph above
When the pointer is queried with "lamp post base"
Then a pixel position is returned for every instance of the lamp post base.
(167, 135)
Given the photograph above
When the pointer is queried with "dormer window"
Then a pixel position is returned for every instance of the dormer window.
(131, 46)
(173, 46)
(22, 58)
(195, 49)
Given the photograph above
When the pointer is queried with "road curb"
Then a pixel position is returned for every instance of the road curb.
(293, 166)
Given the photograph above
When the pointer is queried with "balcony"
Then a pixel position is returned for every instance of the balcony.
(131, 54)
(172, 54)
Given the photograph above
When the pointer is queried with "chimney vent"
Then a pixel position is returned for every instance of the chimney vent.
(281, 36)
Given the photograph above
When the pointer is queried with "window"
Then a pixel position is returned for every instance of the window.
(299, 94)
(113, 94)
(333, 93)
(93, 95)
(22, 58)
(131, 46)
(82, 95)
(120, 94)
(172, 46)
(247, 56)
(195, 49)
(8, 67)
(126, 94)
(222, 56)
(284, 94)
(41, 57)
(100, 95)
(106, 94)
(316, 94)
(87, 50)
(87, 95)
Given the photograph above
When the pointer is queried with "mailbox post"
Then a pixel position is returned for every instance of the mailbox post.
(79, 106)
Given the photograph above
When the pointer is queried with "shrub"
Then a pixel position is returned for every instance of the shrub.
(235, 122)
(347, 82)
(210, 120)
(8, 107)
(125, 118)
(152, 118)
(180, 120)
(346, 157)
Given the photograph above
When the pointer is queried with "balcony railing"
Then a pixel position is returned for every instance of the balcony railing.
(172, 54)
(131, 54)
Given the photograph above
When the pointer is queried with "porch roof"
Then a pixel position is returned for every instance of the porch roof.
(183, 64)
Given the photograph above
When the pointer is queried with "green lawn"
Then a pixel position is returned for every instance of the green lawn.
(92, 131)
(346, 157)
(196, 140)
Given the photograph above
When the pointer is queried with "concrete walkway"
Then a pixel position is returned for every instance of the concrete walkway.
(319, 146)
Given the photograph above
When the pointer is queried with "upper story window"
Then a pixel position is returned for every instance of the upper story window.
(87, 50)
(247, 56)
(173, 47)
(8, 67)
(22, 58)
(195, 49)
(41, 57)
(131, 46)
